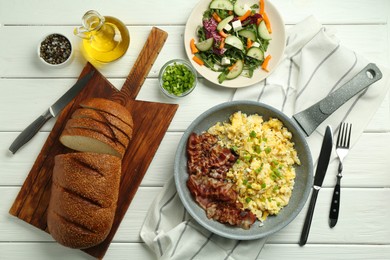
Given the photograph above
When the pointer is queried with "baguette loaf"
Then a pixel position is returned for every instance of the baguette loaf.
(110, 107)
(86, 140)
(106, 129)
(104, 118)
(83, 198)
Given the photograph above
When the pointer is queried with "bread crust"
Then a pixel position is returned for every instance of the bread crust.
(110, 107)
(81, 210)
(106, 129)
(104, 117)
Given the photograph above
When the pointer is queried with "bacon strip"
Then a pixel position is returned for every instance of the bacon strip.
(203, 186)
(230, 214)
(206, 157)
(208, 164)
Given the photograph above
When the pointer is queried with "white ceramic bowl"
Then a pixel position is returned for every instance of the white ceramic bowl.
(61, 60)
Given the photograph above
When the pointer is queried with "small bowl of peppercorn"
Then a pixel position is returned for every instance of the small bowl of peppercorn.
(55, 50)
(177, 78)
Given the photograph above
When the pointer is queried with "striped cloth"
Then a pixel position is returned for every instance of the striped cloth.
(314, 65)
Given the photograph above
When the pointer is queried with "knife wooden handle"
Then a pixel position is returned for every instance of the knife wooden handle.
(29, 132)
(142, 66)
(309, 217)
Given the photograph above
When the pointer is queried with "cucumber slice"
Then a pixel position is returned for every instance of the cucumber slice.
(221, 4)
(255, 53)
(205, 45)
(234, 41)
(263, 31)
(236, 71)
(224, 22)
(248, 34)
(239, 9)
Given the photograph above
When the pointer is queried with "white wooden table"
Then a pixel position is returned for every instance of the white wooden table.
(27, 88)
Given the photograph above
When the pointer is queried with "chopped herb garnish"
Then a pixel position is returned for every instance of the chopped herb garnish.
(248, 200)
(267, 150)
(177, 79)
(252, 134)
(257, 149)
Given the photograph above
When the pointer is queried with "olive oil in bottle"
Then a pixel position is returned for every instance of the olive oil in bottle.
(105, 38)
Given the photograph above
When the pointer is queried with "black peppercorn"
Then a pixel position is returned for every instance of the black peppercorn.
(55, 49)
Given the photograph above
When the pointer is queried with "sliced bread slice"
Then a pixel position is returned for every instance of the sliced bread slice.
(106, 129)
(110, 107)
(104, 118)
(86, 140)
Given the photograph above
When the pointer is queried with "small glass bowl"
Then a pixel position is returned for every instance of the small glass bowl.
(188, 66)
(66, 46)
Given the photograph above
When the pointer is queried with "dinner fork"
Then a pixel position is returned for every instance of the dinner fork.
(342, 149)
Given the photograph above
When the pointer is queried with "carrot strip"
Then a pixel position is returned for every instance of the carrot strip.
(248, 43)
(259, 21)
(193, 47)
(223, 34)
(230, 12)
(264, 66)
(261, 10)
(216, 17)
(222, 44)
(198, 60)
(231, 67)
(267, 22)
(246, 15)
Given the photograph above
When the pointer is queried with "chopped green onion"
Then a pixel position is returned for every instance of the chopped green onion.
(177, 79)
(267, 150)
(258, 170)
(252, 134)
(248, 200)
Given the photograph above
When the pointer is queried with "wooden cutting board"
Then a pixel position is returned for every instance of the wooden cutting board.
(151, 121)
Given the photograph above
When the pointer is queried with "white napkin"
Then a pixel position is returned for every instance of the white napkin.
(314, 65)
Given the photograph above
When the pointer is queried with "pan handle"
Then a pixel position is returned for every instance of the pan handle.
(310, 118)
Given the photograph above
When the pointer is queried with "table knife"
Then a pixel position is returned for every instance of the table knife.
(322, 166)
(51, 112)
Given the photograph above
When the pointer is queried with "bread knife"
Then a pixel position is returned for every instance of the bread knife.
(51, 112)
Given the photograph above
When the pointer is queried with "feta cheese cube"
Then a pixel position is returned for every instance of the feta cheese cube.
(225, 61)
(237, 25)
(217, 67)
(256, 44)
(227, 27)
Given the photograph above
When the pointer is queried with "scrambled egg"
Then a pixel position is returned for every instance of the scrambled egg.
(264, 173)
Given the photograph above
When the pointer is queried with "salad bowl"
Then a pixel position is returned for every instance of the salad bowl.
(275, 48)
